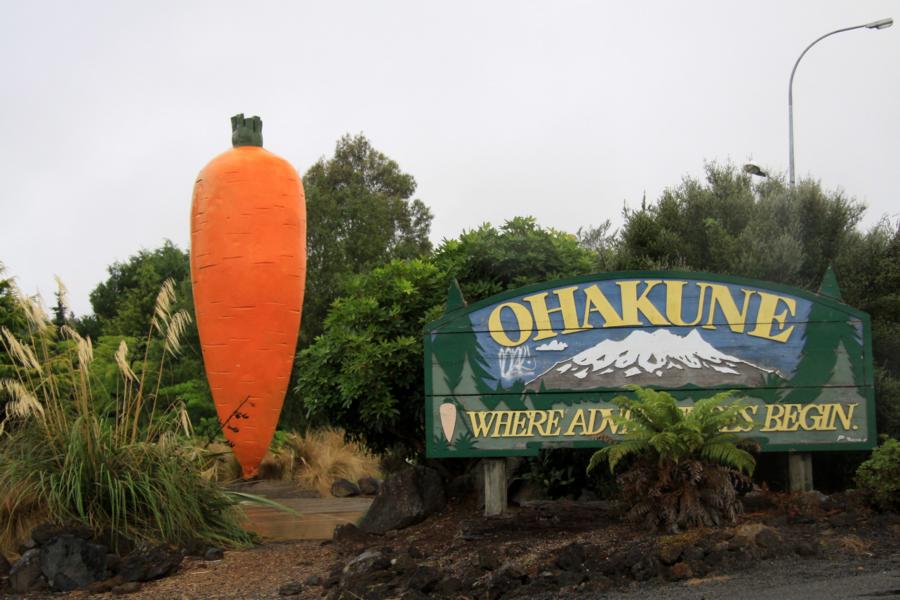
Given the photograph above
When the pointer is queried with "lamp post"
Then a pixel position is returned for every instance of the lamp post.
(879, 24)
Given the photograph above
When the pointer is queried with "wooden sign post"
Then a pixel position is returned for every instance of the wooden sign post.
(537, 367)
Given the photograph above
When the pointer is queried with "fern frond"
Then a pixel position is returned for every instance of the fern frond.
(729, 455)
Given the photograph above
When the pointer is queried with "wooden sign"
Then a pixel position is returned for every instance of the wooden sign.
(537, 367)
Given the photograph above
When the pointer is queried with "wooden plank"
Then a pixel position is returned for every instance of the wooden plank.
(494, 486)
(316, 518)
(800, 471)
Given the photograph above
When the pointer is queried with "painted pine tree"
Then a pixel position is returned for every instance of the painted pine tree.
(827, 330)
(470, 374)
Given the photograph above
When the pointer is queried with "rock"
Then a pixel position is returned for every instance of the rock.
(4, 566)
(47, 532)
(511, 570)
(113, 562)
(424, 579)
(27, 545)
(449, 586)
(757, 501)
(25, 575)
(471, 577)
(680, 571)
(715, 557)
(147, 562)
(506, 578)
(746, 536)
(405, 499)
(644, 569)
(291, 588)
(570, 578)
(693, 553)
(669, 553)
(341, 488)
(368, 486)
(769, 539)
(488, 559)
(404, 564)
(348, 533)
(314, 581)
(571, 557)
(812, 498)
(70, 562)
(213, 553)
(368, 561)
(805, 549)
(129, 587)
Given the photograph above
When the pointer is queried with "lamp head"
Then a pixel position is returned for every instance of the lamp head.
(880, 24)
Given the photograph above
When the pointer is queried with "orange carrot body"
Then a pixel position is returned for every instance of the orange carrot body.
(248, 268)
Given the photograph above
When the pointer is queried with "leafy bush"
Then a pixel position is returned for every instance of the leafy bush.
(684, 467)
(364, 373)
(128, 471)
(879, 477)
(562, 473)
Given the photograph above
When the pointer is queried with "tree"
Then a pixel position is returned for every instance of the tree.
(124, 302)
(60, 311)
(12, 319)
(364, 372)
(730, 225)
(11, 315)
(685, 467)
(487, 261)
(360, 215)
(123, 306)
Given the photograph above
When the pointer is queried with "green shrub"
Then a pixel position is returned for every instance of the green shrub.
(879, 477)
(125, 469)
(683, 468)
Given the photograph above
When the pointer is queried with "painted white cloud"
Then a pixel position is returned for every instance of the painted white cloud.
(554, 345)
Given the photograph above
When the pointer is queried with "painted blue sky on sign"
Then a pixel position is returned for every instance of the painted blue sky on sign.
(533, 358)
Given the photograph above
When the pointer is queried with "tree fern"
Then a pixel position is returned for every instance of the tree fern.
(686, 464)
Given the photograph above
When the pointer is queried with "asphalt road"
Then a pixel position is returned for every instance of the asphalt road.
(791, 579)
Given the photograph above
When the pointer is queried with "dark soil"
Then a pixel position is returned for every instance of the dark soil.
(557, 549)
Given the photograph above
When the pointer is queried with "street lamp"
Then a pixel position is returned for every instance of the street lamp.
(879, 24)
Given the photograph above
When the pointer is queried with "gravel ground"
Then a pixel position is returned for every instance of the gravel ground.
(259, 572)
(860, 557)
(787, 579)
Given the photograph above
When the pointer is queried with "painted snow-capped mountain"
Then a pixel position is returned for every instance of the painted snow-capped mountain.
(651, 358)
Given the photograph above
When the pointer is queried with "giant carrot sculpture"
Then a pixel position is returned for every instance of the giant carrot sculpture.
(248, 268)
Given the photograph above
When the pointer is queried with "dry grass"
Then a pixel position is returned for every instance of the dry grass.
(22, 511)
(314, 459)
(324, 456)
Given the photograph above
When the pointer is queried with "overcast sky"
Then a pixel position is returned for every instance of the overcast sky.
(562, 110)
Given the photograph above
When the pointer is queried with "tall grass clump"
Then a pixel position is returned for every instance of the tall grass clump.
(314, 459)
(110, 459)
(325, 455)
